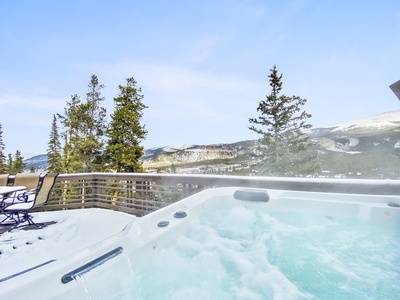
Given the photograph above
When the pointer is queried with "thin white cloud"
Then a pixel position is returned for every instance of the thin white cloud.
(26, 102)
(181, 80)
(172, 78)
(177, 92)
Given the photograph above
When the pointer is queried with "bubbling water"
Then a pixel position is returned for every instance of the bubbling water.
(237, 252)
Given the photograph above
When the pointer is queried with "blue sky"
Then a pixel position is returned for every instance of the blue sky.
(203, 66)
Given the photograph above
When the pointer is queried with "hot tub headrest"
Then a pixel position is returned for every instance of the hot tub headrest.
(251, 195)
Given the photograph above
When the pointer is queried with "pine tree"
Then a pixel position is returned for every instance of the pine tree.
(10, 162)
(93, 127)
(19, 164)
(70, 120)
(3, 165)
(54, 149)
(15, 164)
(285, 148)
(84, 124)
(125, 131)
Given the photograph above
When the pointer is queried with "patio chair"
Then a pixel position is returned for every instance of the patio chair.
(30, 180)
(20, 212)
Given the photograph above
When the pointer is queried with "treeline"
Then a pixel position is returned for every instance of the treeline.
(85, 142)
(10, 164)
(81, 139)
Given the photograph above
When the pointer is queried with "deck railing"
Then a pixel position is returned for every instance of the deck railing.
(142, 193)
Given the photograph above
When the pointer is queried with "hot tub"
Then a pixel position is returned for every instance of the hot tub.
(235, 243)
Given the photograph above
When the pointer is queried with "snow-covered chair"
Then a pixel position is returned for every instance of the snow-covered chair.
(20, 211)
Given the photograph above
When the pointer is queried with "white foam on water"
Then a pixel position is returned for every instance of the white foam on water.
(233, 252)
(349, 258)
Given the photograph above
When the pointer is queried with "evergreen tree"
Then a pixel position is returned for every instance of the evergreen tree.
(54, 149)
(10, 161)
(15, 164)
(285, 149)
(19, 164)
(3, 164)
(85, 126)
(70, 120)
(93, 127)
(125, 131)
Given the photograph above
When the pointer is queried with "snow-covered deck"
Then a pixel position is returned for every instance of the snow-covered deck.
(65, 232)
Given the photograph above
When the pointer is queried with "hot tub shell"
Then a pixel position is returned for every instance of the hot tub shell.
(141, 239)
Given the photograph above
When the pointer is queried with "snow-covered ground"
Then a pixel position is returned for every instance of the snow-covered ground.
(386, 120)
(73, 230)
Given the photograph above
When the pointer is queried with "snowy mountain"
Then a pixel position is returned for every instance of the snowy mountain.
(385, 121)
(364, 148)
(191, 158)
(38, 162)
(361, 135)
